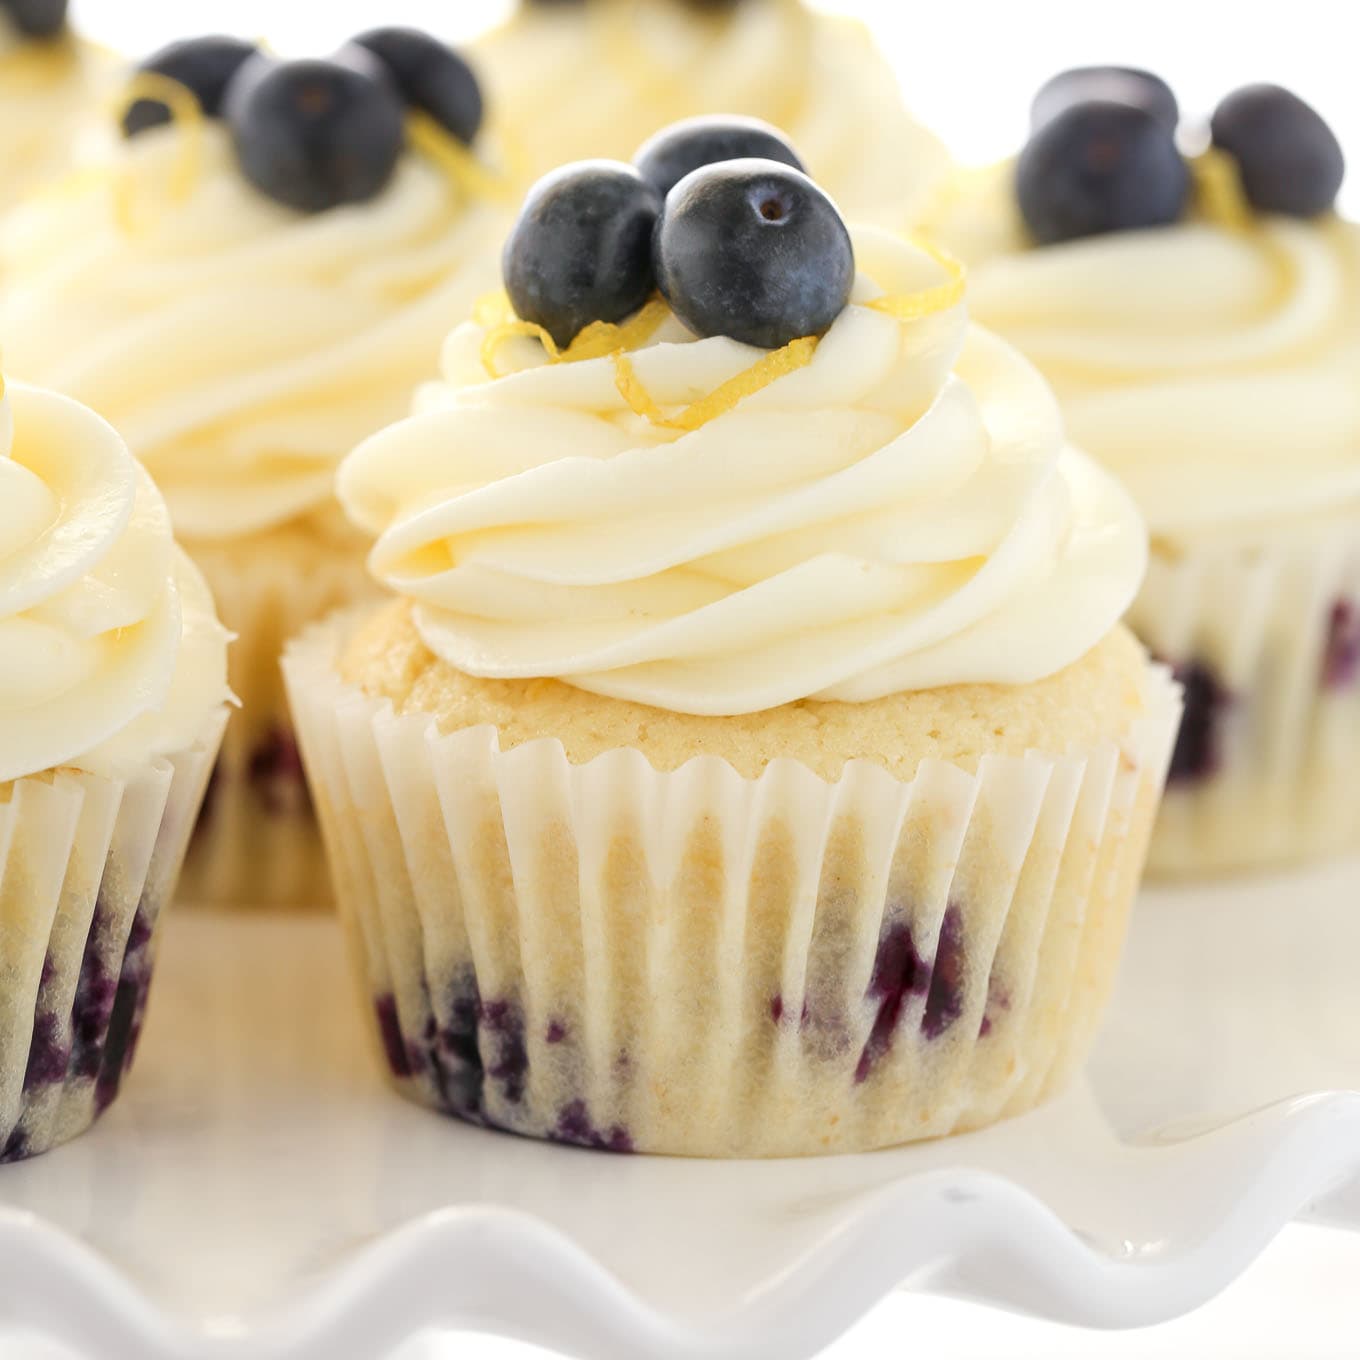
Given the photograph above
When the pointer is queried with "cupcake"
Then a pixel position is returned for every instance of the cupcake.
(752, 762)
(50, 86)
(258, 279)
(113, 689)
(1201, 325)
(574, 78)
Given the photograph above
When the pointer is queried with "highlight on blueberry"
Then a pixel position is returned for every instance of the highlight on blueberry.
(753, 250)
(1289, 159)
(316, 134)
(1101, 167)
(37, 18)
(206, 66)
(429, 76)
(676, 151)
(581, 248)
(1113, 84)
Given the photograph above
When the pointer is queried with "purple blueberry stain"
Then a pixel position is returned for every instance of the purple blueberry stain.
(1341, 662)
(557, 1032)
(389, 1031)
(49, 1054)
(899, 971)
(944, 1003)
(507, 1062)
(575, 1126)
(1198, 754)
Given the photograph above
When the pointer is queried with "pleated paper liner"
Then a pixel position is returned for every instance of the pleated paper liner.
(257, 844)
(1266, 638)
(697, 963)
(87, 864)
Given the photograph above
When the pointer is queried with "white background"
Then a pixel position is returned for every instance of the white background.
(969, 68)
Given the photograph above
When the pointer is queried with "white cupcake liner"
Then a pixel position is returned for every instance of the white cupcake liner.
(257, 843)
(86, 865)
(1266, 638)
(696, 963)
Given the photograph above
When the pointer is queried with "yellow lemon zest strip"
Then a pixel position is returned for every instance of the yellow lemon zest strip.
(187, 114)
(775, 365)
(1218, 186)
(927, 301)
(438, 144)
(596, 341)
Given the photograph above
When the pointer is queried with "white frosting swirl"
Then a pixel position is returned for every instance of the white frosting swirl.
(240, 347)
(110, 651)
(572, 81)
(899, 514)
(50, 95)
(1216, 372)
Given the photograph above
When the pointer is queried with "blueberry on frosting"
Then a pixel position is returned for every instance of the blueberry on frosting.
(581, 248)
(430, 76)
(753, 250)
(674, 152)
(1288, 159)
(205, 66)
(1117, 84)
(1100, 167)
(37, 18)
(317, 134)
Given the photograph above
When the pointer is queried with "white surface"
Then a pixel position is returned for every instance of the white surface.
(258, 1193)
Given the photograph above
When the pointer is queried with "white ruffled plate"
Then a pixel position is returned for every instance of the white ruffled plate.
(256, 1193)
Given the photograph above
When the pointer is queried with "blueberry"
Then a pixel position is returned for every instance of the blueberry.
(429, 76)
(1289, 159)
(1198, 754)
(753, 250)
(1115, 84)
(581, 249)
(205, 65)
(37, 18)
(1100, 167)
(676, 151)
(316, 134)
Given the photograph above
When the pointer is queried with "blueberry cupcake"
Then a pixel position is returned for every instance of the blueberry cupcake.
(113, 691)
(752, 762)
(257, 279)
(1200, 322)
(51, 84)
(574, 78)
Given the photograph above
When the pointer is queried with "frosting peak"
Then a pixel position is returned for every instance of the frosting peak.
(109, 648)
(898, 513)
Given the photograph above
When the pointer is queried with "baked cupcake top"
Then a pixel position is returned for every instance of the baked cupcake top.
(110, 650)
(576, 78)
(50, 86)
(263, 270)
(1200, 321)
(868, 496)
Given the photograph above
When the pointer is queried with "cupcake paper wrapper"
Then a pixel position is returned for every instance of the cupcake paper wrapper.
(257, 843)
(87, 863)
(697, 963)
(1266, 640)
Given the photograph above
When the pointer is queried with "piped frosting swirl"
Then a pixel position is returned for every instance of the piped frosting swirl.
(900, 512)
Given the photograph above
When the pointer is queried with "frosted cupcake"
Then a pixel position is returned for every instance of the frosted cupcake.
(51, 84)
(573, 78)
(113, 689)
(752, 763)
(260, 278)
(1201, 325)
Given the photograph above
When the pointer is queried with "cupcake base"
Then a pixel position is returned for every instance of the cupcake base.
(697, 963)
(86, 866)
(1266, 641)
(257, 842)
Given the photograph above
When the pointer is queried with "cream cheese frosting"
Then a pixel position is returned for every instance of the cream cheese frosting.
(240, 347)
(901, 513)
(49, 100)
(1215, 371)
(110, 651)
(599, 78)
